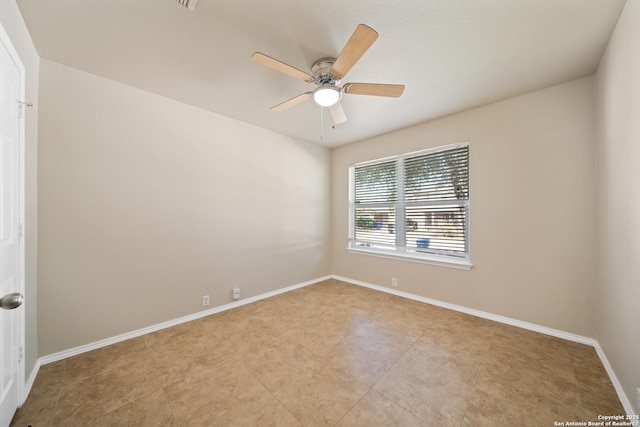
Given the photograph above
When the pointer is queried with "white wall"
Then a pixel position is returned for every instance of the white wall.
(15, 27)
(532, 209)
(618, 219)
(147, 204)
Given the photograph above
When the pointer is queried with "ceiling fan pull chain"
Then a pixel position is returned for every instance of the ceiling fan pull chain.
(321, 134)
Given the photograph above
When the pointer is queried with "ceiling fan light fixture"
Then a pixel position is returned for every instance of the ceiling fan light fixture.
(327, 96)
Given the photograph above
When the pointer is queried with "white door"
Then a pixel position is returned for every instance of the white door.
(10, 231)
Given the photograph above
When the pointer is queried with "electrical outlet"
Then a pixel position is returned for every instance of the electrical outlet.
(236, 293)
(394, 282)
(206, 301)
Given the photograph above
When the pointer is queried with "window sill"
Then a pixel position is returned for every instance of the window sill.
(460, 264)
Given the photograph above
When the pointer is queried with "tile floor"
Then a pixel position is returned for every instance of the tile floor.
(327, 354)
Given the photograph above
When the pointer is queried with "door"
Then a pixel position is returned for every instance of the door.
(11, 277)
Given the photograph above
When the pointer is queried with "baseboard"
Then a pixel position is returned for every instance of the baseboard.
(139, 332)
(29, 383)
(626, 403)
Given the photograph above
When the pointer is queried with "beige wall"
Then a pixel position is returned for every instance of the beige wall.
(532, 209)
(618, 224)
(147, 204)
(15, 27)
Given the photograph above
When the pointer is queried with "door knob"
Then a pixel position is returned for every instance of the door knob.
(11, 301)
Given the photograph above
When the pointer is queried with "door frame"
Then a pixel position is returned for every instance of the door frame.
(5, 40)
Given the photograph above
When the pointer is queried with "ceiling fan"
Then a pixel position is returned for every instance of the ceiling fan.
(327, 74)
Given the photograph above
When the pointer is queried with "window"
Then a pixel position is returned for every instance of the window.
(414, 206)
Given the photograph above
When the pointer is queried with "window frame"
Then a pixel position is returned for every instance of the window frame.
(400, 250)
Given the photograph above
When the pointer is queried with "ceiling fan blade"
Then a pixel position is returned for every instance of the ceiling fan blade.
(361, 40)
(274, 64)
(337, 113)
(374, 89)
(291, 102)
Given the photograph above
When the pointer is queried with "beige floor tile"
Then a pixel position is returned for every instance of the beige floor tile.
(437, 390)
(49, 380)
(172, 366)
(376, 410)
(596, 391)
(368, 352)
(280, 357)
(544, 384)
(398, 320)
(151, 410)
(504, 406)
(83, 401)
(318, 335)
(248, 344)
(176, 338)
(81, 404)
(37, 411)
(212, 397)
(444, 343)
(260, 410)
(318, 395)
(526, 348)
(104, 359)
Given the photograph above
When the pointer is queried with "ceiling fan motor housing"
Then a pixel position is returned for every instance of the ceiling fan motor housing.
(321, 70)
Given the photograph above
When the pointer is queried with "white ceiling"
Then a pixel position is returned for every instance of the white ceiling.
(452, 55)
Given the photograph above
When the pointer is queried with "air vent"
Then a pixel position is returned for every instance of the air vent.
(189, 4)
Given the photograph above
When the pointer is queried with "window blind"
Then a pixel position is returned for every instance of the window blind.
(415, 204)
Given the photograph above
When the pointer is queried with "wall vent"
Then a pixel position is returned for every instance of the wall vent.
(189, 4)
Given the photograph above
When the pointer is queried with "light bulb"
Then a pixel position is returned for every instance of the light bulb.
(326, 96)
